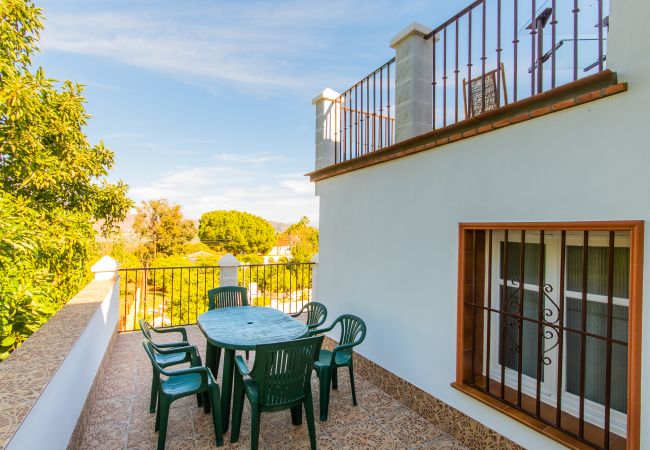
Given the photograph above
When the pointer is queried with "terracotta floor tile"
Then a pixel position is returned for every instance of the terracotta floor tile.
(120, 417)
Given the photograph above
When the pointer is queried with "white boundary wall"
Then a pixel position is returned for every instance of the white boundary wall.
(52, 419)
(389, 233)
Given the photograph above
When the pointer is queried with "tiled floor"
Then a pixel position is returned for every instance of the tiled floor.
(120, 418)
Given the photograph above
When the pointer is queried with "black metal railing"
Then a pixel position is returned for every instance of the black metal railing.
(362, 119)
(170, 296)
(549, 311)
(494, 50)
(283, 286)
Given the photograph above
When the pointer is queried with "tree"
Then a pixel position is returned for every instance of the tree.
(163, 227)
(53, 183)
(236, 232)
(303, 240)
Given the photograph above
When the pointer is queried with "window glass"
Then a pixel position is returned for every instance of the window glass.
(597, 265)
(596, 352)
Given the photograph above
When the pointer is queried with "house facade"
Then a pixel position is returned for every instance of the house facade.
(514, 288)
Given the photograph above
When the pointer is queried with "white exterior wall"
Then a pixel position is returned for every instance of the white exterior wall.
(389, 233)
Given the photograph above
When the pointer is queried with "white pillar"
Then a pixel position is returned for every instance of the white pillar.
(327, 127)
(314, 278)
(228, 268)
(105, 269)
(413, 77)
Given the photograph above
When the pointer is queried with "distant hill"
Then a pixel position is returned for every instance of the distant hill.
(279, 227)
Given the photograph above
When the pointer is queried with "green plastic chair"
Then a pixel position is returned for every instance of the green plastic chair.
(353, 332)
(226, 297)
(183, 382)
(279, 380)
(167, 355)
(316, 314)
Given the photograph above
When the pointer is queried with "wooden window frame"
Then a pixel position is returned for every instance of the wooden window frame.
(467, 328)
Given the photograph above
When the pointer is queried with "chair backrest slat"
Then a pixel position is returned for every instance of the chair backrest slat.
(353, 330)
(227, 296)
(316, 314)
(283, 370)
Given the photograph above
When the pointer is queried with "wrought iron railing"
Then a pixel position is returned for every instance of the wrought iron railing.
(362, 119)
(170, 296)
(485, 51)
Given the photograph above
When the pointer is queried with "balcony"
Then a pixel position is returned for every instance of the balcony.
(88, 366)
(491, 65)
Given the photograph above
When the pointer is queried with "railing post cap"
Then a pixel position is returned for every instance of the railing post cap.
(314, 258)
(105, 268)
(228, 260)
(327, 94)
(413, 28)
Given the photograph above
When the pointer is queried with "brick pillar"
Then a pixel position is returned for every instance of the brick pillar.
(228, 268)
(327, 127)
(414, 74)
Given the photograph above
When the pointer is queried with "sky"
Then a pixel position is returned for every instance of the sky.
(208, 103)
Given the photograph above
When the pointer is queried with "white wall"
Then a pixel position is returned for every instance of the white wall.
(52, 419)
(389, 233)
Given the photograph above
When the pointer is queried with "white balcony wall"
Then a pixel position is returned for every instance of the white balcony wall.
(389, 232)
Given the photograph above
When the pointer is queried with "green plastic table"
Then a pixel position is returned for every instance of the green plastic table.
(242, 328)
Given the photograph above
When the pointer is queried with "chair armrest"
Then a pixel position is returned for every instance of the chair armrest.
(322, 330)
(299, 312)
(241, 366)
(170, 350)
(201, 370)
(338, 348)
(172, 344)
(180, 330)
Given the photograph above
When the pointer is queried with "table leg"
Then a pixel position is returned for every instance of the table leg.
(226, 386)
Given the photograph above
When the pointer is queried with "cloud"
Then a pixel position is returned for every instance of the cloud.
(258, 44)
(263, 190)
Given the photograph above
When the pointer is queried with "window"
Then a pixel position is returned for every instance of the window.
(545, 323)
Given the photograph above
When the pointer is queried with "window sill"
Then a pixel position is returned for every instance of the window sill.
(530, 421)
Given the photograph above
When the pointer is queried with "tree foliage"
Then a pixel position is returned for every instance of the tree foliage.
(236, 232)
(53, 184)
(162, 227)
(303, 240)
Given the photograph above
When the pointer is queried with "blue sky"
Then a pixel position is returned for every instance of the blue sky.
(208, 103)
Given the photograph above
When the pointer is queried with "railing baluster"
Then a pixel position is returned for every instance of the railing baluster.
(515, 42)
(498, 51)
(456, 72)
(560, 351)
(520, 336)
(610, 326)
(504, 317)
(575, 11)
(483, 58)
(540, 327)
(553, 42)
(600, 35)
(533, 33)
(583, 329)
(488, 333)
(444, 77)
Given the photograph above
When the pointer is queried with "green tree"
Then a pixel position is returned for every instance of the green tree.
(162, 227)
(303, 240)
(236, 232)
(53, 184)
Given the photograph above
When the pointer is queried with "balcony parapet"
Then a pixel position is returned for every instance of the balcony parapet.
(45, 382)
(593, 87)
